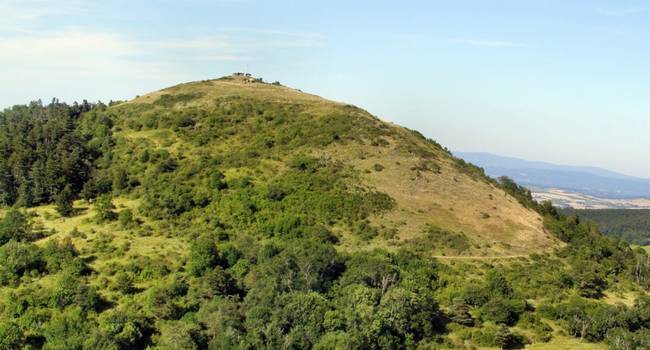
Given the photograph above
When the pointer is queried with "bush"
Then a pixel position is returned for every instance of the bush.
(591, 285)
(179, 335)
(66, 329)
(502, 311)
(104, 209)
(126, 218)
(58, 255)
(64, 201)
(19, 259)
(15, 225)
(70, 290)
(123, 283)
(11, 337)
(203, 255)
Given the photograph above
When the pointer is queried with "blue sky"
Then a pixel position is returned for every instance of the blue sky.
(560, 81)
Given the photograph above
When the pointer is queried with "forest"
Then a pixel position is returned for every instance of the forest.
(197, 245)
(631, 225)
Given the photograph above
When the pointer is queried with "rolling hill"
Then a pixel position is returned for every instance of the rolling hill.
(236, 214)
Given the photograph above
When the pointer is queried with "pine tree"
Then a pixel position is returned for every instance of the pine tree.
(64, 201)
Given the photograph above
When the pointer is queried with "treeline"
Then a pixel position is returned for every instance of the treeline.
(631, 225)
(46, 148)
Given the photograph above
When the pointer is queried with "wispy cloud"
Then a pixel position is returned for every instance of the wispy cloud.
(73, 52)
(620, 12)
(83, 51)
(24, 13)
(488, 43)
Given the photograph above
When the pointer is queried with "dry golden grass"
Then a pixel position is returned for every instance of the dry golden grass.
(233, 86)
(567, 343)
(626, 298)
(496, 224)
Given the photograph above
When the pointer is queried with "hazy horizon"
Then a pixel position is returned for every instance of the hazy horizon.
(558, 82)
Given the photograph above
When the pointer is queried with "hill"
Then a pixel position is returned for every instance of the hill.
(236, 214)
(428, 185)
(541, 176)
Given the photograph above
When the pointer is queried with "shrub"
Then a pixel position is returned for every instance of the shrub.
(70, 290)
(126, 218)
(18, 259)
(15, 225)
(64, 201)
(58, 254)
(11, 337)
(104, 209)
(502, 311)
(123, 283)
(203, 255)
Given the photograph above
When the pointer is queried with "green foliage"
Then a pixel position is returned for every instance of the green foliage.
(122, 328)
(459, 313)
(59, 255)
(620, 338)
(43, 149)
(104, 209)
(66, 330)
(11, 336)
(252, 189)
(631, 225)
(164, 300)
(19, 259)
(71, 290)
(179, 335)
(126, 218)
(522, 194)
(64, 201)
(493, 336)
(590, 320)
(506, 339)
(203, 256)
(15, 225)
(124, 283)
(590, 284)
(437, 239)
(502, 311)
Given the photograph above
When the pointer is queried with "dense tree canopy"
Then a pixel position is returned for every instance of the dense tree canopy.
(43, 149)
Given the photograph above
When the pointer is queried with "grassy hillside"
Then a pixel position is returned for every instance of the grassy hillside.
(235, 214)
(631, 225)
(428, 186)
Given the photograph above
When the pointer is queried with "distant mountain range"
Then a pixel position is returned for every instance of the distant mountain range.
(542, 176)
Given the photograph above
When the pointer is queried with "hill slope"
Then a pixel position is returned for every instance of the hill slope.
(429, 186)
